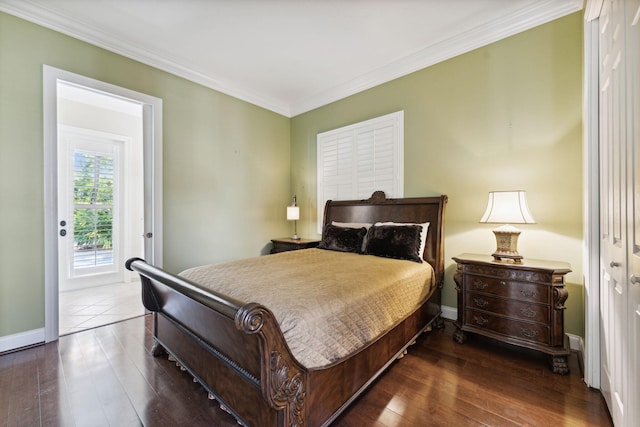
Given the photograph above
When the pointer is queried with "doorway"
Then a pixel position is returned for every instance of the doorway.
(100, 207)
(102, 198)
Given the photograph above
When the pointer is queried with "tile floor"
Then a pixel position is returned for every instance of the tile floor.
(99, 305)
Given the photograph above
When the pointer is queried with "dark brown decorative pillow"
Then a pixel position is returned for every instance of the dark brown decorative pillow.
(391, 241)
(342, 239)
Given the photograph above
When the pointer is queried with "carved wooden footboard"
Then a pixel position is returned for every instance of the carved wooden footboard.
(238, 353)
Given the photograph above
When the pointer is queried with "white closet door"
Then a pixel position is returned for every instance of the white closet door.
(632, 24)
(613, 288)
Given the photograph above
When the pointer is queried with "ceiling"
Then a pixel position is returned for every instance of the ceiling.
(290, 56)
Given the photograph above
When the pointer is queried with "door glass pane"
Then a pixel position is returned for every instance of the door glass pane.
(93, 183)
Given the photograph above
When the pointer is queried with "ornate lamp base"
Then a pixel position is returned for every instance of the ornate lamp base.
(507, 244)
(295, 231)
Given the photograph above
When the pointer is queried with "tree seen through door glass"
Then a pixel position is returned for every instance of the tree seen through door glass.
(93, 209)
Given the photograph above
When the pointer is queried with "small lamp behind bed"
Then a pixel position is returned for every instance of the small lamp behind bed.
(293, 214)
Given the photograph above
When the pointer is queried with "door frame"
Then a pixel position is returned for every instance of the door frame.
(152, 146)
(591, 163)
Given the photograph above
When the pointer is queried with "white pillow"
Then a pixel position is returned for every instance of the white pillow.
(423, 234)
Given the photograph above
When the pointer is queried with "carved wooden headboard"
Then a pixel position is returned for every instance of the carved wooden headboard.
(415, 209)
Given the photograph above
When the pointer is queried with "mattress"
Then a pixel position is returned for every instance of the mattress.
(328, 304)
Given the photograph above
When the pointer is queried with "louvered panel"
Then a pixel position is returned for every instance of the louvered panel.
(330, 191)
(330, 158)
(365, 188)
(384, 162)
(385, 185)
(345, 191)
(365, 149)
(359, 159)
(345, 155)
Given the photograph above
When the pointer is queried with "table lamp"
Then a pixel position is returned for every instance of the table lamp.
(507, 207)
(293, 214)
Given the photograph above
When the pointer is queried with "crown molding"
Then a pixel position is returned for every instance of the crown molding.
(539, 13)
(54, 20)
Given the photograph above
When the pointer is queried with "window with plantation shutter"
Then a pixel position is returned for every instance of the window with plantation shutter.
(356, 160)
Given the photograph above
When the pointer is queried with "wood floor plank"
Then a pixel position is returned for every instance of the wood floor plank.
(24, 404)
(6, 371)
(55, 408)
(106, 377)
(479, 383)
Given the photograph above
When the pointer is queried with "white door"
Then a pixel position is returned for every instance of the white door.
(613, 289)
(632, 18)
(91, 195)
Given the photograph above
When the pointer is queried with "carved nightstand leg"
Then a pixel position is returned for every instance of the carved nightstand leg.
(459, 336)
(439, 322)
(560, 365)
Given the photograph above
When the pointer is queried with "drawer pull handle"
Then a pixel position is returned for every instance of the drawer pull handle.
(479, 284)
(503, 283)
(634, 279)
(480, 320)
(481, 302)
(529, 333)
(614, 264)
(527, 294)
(528, 312)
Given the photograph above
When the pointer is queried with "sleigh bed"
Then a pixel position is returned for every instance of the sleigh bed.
(245, 354)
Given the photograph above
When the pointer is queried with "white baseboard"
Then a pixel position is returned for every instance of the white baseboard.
(575, 341)
(22, 339)
(450, 313)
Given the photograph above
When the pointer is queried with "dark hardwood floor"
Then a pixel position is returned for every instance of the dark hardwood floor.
(106, 377)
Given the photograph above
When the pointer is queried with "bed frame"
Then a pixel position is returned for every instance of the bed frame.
(237, 351)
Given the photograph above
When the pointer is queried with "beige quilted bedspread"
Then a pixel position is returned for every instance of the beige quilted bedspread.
(328, 303)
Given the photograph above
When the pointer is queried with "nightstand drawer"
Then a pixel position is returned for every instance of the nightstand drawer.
(510, 308)
(499, 271)
(531, 292)
(532, 332)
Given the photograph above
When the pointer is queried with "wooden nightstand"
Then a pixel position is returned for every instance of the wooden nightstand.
(287, 244)
(520, 304)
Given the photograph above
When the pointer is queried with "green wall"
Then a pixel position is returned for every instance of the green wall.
(503, 117)
(506, 116)
(226, 164)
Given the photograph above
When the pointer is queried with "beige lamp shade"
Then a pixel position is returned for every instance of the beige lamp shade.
(507, 207)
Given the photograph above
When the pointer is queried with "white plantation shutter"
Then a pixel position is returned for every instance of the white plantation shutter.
(356, 160)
